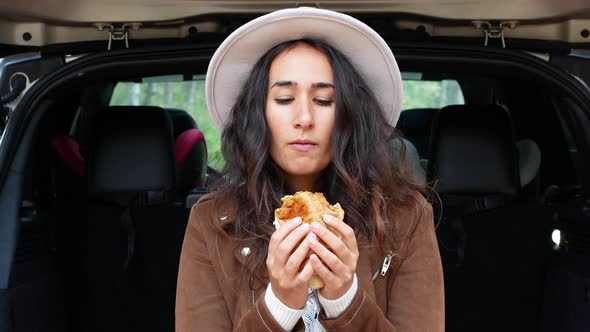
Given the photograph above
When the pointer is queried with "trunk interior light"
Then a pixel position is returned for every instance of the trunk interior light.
(556, 237)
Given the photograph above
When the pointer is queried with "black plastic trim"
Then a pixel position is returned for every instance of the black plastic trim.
(10, 197)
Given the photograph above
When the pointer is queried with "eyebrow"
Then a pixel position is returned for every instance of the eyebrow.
(322, 85)
(284, 83)
(317, 85)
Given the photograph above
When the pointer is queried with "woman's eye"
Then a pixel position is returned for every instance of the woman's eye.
(324, 102)
(283, 101)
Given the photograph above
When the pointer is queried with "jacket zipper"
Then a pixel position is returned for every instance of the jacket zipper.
(384, 266)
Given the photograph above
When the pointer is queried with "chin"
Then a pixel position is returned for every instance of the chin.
(303, 172)
(304, 169)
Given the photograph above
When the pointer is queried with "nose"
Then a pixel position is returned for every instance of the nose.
(303, 115)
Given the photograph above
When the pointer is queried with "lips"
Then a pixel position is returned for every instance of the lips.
(302, 145)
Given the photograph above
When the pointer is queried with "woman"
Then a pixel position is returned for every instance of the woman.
(307, 100)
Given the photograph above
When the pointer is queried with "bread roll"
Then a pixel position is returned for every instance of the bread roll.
(310, 207)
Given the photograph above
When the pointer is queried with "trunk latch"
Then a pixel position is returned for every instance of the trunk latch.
(492, 31)
(117, 32)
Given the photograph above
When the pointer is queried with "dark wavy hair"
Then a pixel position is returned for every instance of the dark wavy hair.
(367, 175)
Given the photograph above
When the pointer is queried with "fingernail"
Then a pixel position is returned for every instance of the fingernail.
(305, 226)
(326, 218)
(297, 220)
(315, 225)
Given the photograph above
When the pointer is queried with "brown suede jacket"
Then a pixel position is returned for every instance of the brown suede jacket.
(216, 293)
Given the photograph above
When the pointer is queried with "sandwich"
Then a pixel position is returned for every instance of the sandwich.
(310, 207)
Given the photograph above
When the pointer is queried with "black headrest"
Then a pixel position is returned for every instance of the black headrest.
(473, 151)
(132, 151)
(93, 99)
(181, 120)
(416, 121)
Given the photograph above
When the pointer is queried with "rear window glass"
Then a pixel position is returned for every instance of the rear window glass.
(174, 92)
(424, 93)
(189, 95)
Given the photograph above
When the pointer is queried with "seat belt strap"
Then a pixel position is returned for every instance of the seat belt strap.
(459, 231)
(127, 223)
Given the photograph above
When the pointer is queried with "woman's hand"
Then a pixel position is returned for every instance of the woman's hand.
(286, 253)
(336, 262)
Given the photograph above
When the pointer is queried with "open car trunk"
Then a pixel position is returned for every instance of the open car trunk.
(72, 268)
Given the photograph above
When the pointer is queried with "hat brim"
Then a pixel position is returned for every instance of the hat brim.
(233, 60)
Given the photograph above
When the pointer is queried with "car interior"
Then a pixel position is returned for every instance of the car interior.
(103, 192)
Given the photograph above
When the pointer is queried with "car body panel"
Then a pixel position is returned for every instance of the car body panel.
(34, 23)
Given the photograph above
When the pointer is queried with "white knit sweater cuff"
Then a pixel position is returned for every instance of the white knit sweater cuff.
(334, 308)
(285, 316)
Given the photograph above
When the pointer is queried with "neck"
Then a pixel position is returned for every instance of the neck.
(303, 182)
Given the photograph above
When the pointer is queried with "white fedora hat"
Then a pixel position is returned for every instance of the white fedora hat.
(233, 60)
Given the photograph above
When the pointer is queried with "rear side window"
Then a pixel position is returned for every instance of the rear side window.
(420, 92)
(174, 92)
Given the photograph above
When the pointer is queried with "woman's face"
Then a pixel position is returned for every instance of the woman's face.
(300, 111)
